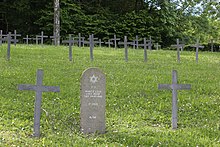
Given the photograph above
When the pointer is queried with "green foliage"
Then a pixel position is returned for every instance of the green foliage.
(164, 20)
(137, 113)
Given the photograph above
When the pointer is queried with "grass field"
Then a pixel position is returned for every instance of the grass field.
(137, 113)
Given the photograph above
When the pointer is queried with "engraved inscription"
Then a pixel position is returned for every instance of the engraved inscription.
(93, 94)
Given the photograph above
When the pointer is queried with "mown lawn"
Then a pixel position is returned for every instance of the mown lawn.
(137, 113)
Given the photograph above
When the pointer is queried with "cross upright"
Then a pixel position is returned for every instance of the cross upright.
(91, 45)
(42, 37)
(178, 46)
(197, 46)
(115, 40)
(38, 88)
(174, 87)
(1, 37)
(145, 45)
(125, 43)
(71, 42)
(27, 39)
(136, 41)
(109, 43)
(15, 35)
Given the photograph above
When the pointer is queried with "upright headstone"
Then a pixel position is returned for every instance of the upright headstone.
(109, 43)
(145, 49)
(174, 87)
(92, 101)
(115, 39)
(38, 88)
(15, 35)
(197, 46)
(42, 37)
(27, 39)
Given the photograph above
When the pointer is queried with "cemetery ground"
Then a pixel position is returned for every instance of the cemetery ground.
(137, 113)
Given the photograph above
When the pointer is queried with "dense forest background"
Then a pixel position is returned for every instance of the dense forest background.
(164, 20)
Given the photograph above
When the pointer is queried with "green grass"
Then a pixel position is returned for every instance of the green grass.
(137, 113)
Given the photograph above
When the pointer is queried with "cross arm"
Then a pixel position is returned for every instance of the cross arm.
(26, 87)
(164, 86)
(51, 88)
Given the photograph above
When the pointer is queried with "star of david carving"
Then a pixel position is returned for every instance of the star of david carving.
(93, 79)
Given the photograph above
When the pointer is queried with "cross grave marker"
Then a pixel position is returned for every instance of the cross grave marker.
(197, 46)
(38, 88)
(115, 40)
(178, 46)
(145, 49)
(150, 43)
(15, 35)
(125, 43)
(27, 39)
(92, 101)
(174, 87)
(109, 43)
(41, 37)
(71, 42)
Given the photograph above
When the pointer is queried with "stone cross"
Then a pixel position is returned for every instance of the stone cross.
(150, 41)
(197, 46)
(174, 87)
(178, 46)
(125, 43)
(38, 88)
(71, 42)
(1, 37)
(36, 39)
(42, 37)
(55, 40)
(27, 39)
(9, 40)
(115, 40)
(109, 43)
(136, 41)
(145, 45)
(15, 35)
(100, 43)
(92, 101)
(79, 40)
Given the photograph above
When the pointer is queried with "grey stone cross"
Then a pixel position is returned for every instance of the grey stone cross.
(39, 88)
(178, 46)
(109, 43)
(91, 45)
(27, 39)
(115, 40)
(197, 46)
(145, 45)
(15, 35)
(9, 40)
(125, 43)
(71, 42)
(150, 43)
(174, 87)
(41, 37)
(55, 39)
